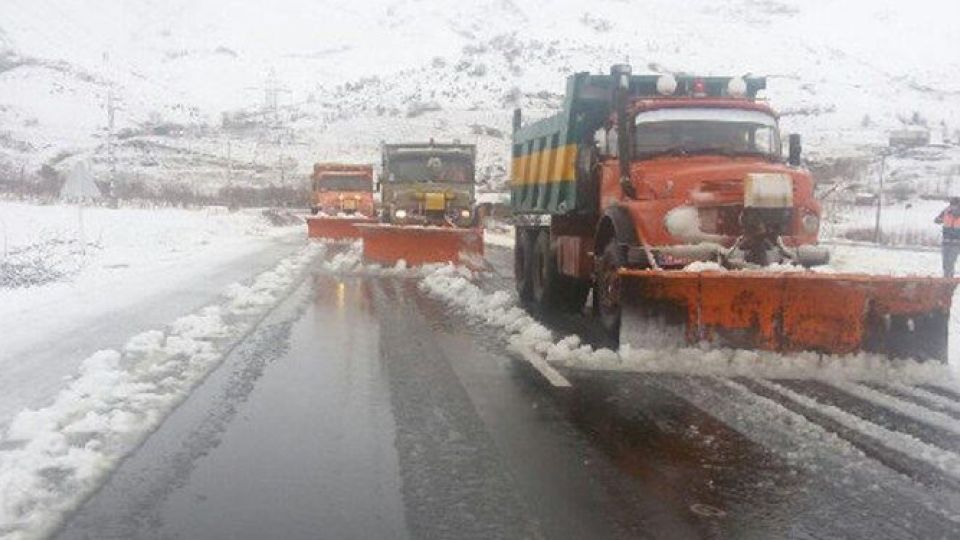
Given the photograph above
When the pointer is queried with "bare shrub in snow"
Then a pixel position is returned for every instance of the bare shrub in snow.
(279, 217)
(43, 262)
(418, 108)
(598, 24)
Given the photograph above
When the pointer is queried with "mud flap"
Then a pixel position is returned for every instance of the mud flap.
(829, 313)
(335, 228)
(388, 244)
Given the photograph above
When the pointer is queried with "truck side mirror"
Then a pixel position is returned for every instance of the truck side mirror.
(793, 157)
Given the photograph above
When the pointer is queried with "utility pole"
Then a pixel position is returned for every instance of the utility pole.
(272, 116)
(229, 161)
(876, 228)
(112, 108)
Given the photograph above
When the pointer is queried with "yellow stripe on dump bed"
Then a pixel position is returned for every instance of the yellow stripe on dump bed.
(546, 166)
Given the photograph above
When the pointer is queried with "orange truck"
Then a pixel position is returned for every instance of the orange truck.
(669, 198)
(342, 190)
(342, 197)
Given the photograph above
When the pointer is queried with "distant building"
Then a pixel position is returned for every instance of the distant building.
(864, 198)
(909, 138)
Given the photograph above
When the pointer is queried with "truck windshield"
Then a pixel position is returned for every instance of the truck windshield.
(344, 182)
(705, 131)
(427, 168)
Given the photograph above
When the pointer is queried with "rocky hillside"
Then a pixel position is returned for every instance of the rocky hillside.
(207, 94)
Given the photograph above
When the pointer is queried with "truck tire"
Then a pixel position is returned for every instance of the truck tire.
(522, 262)
(606, 289)
(575, 293)
(546, 279)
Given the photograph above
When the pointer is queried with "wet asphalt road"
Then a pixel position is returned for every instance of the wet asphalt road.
(361, 408)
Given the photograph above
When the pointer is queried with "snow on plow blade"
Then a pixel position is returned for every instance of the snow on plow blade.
(388, 244)
(335, 228)
(831, 313)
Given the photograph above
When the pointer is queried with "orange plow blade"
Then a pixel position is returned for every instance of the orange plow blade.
(389, 244)
(899, 317)
(335, 228)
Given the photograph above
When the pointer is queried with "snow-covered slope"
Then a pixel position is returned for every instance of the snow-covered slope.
(347, 75)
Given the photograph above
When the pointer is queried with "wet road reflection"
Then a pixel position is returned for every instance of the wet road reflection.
(364, 409)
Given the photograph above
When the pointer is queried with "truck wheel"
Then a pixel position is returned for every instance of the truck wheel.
(546, 279)
(575, 293)
(606, 289)
(522, 259)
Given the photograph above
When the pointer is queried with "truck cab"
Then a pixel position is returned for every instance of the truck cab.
(340, 189)
(428, 184)
(704, 171)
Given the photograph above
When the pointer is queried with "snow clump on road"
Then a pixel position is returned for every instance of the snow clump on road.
(52, 458)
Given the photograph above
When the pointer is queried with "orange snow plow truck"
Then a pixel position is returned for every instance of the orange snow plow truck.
(342, 197)
(669, 198)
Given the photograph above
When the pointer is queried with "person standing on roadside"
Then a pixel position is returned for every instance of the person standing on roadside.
(950, 220)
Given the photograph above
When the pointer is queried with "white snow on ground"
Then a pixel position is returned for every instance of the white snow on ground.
(52, 458)
(184, 62)
(138, 256)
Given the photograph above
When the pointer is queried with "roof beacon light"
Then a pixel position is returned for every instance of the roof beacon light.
(737, 87)
(666, 85)
(699, 88)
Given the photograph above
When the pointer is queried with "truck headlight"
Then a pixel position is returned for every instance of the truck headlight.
(465, 214)
(400, 214)
(811, 223)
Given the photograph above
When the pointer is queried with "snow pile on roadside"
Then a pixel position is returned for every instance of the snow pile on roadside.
(537, 344)
(346, 257)
(526, 336)
(52, 458)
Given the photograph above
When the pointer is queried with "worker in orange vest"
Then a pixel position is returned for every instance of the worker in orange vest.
(950, 220)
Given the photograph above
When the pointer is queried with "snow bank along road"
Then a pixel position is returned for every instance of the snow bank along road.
(142, 269)
(371, 403)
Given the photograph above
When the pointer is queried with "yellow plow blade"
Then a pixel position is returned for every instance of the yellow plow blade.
(830, 313)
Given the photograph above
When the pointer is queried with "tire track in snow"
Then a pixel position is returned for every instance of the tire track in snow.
(905, 408)
(921, 397)
(941, 391)
(824, 454)
(901, 452)
(882, 411)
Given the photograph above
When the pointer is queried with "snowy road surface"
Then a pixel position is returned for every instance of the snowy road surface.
(366, 406)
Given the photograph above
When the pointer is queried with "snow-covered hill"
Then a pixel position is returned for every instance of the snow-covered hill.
(195, 81)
